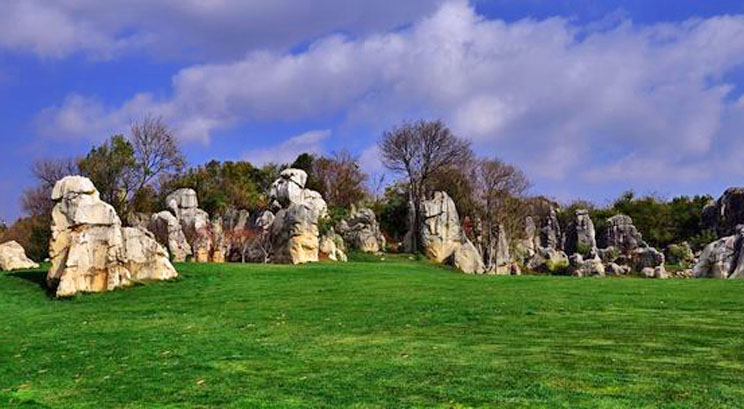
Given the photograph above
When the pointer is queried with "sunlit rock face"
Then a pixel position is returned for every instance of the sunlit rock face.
(442, 238)
(90, 251)
(295, 237)
(13, 257)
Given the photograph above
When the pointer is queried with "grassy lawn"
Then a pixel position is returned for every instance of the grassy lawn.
(389, 334)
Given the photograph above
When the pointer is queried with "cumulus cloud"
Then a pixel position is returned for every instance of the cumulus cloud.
(287, 151)
(599, 102)
(189, 28)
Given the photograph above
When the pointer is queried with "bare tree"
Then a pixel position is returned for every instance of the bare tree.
(156, 151)
(499, 193)
(418, 150)
(49, 171)
(341, 181)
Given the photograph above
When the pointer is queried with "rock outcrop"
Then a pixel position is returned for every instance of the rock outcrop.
(361, 231)
(332, 246)
(550, 232)
(723, 258)
(622, 234)
(294, 232)
(202, 234)
(726, 213)
(580, 235)
(90, 251)
(167, 230)
(13, 257)
(442, 238)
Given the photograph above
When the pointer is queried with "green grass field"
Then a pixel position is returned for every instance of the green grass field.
(390, 334)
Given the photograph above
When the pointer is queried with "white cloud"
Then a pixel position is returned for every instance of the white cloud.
(287, 151)
(189, 28)
(561, 100)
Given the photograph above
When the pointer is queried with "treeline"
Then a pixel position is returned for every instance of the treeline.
(135, 173)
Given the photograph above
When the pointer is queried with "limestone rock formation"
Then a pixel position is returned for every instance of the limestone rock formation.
(294, 231)
(332, 246)
(527, 247)
(167, 230)
(615, 269)
(622, 234)
(441, 234)
(726, 213)
(201, 233)
(361, 231)
(468, 259)
(498, 259)
(548, 260)
(723, 258)
(647, 257)
(550, 232)
(586, 268)
(90, 251)
(580, 235)
(13, 257)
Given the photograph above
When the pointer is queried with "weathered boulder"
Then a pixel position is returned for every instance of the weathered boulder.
(295, 235)
(294, 232)
(167, 230)
(580, 235)
(622, 234)
(361, 231)
(527, 247)
(615, 269)
(13, 257)
(549, 260)
(288, 188)
(723, 258)
(498, 256)
(550, 232)
(440, 233)
(332, 246)
(201, 233)
(468, 259)
(647, 257)
(609, 254)
(89, 249)
(654, 272)
(181, 199)
(726, 213)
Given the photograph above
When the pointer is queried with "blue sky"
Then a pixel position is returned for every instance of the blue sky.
(589, 98)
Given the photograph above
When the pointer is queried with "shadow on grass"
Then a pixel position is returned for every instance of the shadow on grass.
(37, 277)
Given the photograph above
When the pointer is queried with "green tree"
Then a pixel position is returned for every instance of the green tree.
(111, 167)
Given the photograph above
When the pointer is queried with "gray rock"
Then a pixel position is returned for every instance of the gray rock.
(580, 235)
(647, 257)
(168, 232)
(726, 213)
(361, 231)
(723, 258)
(622, 234)
(550, 232)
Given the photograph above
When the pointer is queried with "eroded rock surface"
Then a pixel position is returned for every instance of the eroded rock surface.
(294, 231)
(723, 258)
(13, 257)
(90, 251)
(361, 231)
